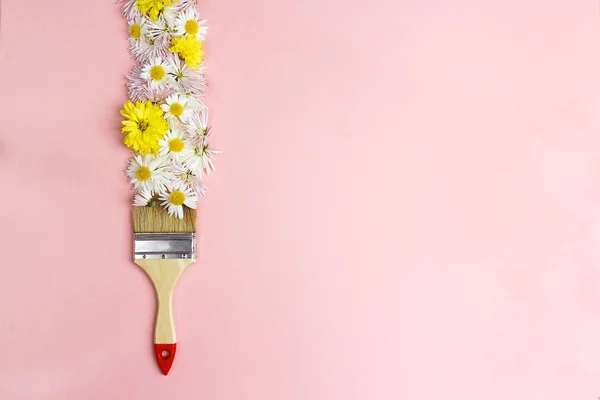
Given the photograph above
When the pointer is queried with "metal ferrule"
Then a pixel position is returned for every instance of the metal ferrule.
(164, 245)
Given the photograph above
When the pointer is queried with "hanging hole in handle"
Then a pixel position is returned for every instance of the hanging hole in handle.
(165, 354)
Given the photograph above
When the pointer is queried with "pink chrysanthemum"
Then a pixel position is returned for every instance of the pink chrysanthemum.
(145, 49)
(188, 178)
(160, 29)
(137, 86)
(129, 8)
(196, 127)
(185, 5)
(186, 79)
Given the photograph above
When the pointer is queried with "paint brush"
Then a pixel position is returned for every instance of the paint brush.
(164, 247)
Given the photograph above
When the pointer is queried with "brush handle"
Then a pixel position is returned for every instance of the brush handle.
(164, 275)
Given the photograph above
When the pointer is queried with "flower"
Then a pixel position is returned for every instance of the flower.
(176, 197)
(140, 89)
(194, 103)
(152, 8)
(148, 173)
(177, 107)
(129, 8)
(188, 23)
(200, 159)
(157, 73)
(174, 145)
(144, 126)
(136, 26)
(189, 48)
(184, 5)
(165, 122)
(186, 79)
(144, 198)
(189, 178)
(147, 49)
(159, 29)
(170, 14)
(176, 125)
(196, 127)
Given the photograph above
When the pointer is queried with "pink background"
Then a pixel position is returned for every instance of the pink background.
(407, 205)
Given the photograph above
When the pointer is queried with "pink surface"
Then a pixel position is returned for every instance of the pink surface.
(407, 205)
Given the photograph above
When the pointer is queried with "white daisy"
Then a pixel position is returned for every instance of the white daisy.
(189, 23)
(139, 89)
(176, 197)
(157, 73)
(196, 126)
(144, 198)
(200, 160)
(188, 178)
(136, 28)
(148, 172)
(174, 145)
(186, 79)
(176, 107)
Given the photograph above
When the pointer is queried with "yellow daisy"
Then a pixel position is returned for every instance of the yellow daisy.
(144, 127)
(152, 8)
(189, 48)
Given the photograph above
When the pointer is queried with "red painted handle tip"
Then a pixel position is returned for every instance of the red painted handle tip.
(165, 354)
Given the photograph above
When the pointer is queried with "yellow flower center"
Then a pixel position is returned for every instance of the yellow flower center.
(191, 27)
(143, 125)
(176, 109)
(143, 173)
(177, 197)
(135, 31)
(176, 145)
(157, 72)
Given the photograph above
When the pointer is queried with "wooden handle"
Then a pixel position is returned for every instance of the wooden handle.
(164, 275)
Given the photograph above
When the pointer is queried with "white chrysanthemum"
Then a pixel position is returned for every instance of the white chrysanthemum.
(157, 73)
(129, 9)
(196, 126)
(137, 87)
(186, 79)
(177, 126)
(189, 23)
(149, 172)
(146, 49)
(174, 145)
(195, 104)
(177, 107)
(200, 160)
(144, 198)
(189, 178)
(170, 14)
(159, 29)
(176, 197)
(184, 5)
(142, 49)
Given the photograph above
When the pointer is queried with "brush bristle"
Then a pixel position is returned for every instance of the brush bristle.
(157, 220)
